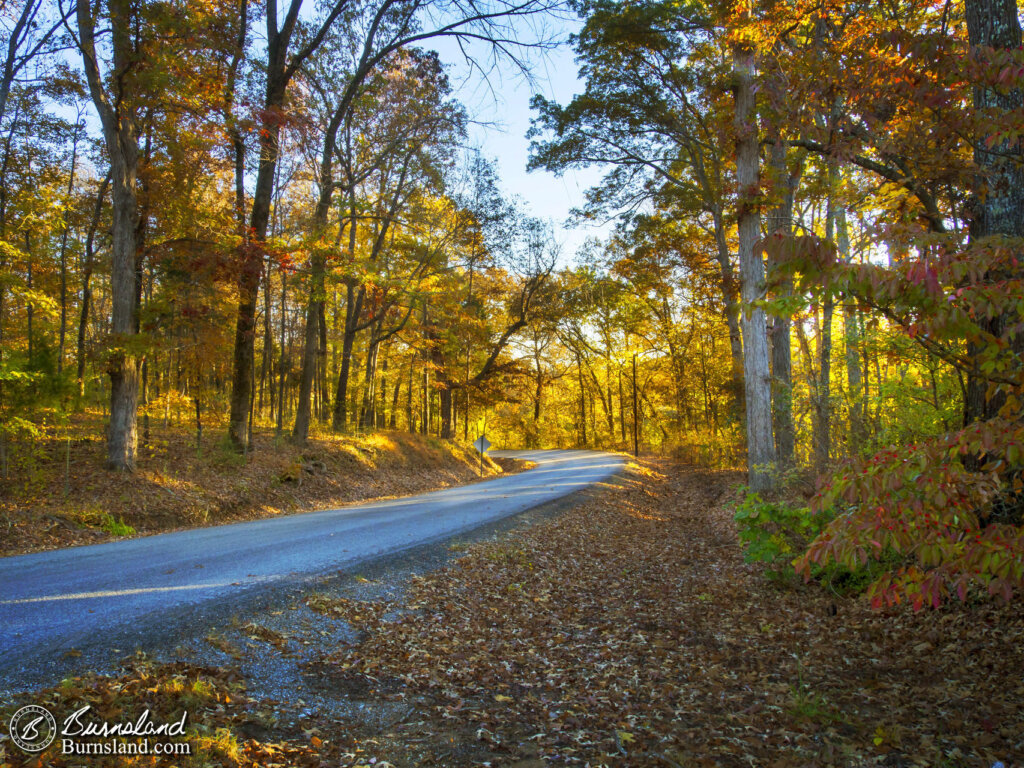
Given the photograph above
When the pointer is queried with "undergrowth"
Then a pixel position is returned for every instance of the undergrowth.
(775, 533)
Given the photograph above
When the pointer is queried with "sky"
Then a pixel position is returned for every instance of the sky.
(501, 114)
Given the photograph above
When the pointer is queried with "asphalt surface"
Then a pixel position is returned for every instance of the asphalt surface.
(57, 605)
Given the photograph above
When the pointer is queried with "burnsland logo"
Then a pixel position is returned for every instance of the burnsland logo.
(33, 729)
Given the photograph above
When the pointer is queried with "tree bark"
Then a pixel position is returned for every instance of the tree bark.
(781, 222)
(119, 131)
(756, 375)
(446, 412)
(731, 299)
(998, 208)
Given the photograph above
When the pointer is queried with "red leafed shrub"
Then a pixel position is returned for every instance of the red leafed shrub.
(952, 503)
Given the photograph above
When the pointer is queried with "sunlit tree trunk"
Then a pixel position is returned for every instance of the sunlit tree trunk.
(410, 422)
(583, 401)
(395, 392)
(731, 299)
(119, 131)
(781, 222)
(756, 375)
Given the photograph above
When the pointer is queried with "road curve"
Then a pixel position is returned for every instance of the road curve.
(52, 602)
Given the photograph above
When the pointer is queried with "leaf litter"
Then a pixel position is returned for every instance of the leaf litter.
(629, 631)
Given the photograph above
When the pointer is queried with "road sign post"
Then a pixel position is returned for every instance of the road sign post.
(482, 444)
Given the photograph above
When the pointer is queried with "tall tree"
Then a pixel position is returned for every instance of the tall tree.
(389, 25)
(285, 55)
(756, 375)
(116, 100)
(656, 123)
(997, 209)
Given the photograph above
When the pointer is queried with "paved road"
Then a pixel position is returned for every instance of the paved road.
(52, 602)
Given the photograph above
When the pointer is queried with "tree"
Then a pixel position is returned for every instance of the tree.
(388, 26)
(997, 208)
(756, 376)
(117, 105)
(405, 116)
(657, 124)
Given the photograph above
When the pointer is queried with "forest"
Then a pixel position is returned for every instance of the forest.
(227, 219)
(763, 389)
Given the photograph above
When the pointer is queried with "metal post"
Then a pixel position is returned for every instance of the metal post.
(636, 427)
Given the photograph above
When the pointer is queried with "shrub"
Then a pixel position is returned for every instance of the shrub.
(776, 533)
(116, 527)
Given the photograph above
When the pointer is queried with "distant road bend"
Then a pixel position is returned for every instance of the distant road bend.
(51, 602)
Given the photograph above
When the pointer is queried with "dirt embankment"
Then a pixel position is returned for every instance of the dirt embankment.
(66, 498)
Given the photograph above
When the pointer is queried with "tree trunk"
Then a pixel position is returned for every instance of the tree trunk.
(823, 424)
(622, 411)
(353, 310)
(425, 418)
(730, 298)
(998, 207)
(410, 425)
(123, 150)
(250, 260)
(145, 368)
(62, 334)
(30, 307)
(583, 401)
(367, 416)
(122, 365)
(395, 391)
(756, 376)
(281, 372)
(317, 267)
(781, 222)
(266, 363)
(322, 362)
(446, 411)
(851, 341)
(823, 400)
(300, 430)
(353, 307)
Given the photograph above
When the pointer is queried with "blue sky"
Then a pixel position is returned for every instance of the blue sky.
(505, 103)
